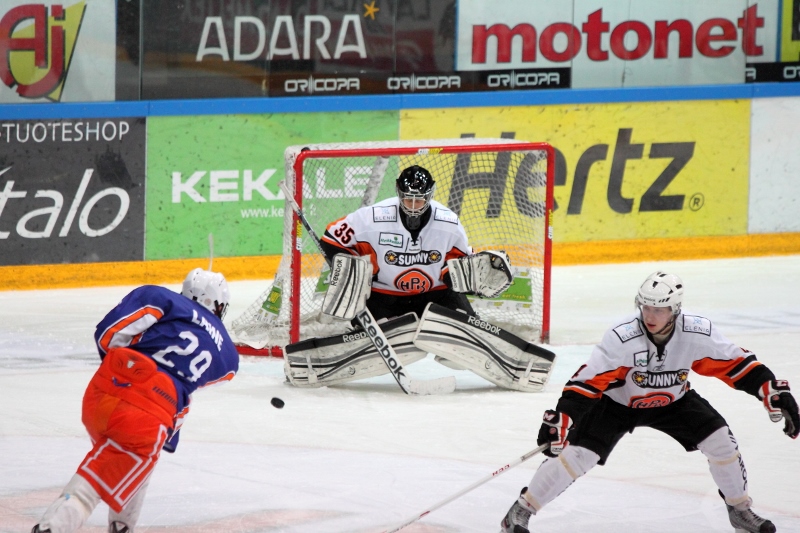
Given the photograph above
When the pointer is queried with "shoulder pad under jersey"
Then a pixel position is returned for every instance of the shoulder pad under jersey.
(445, 215)
(696, 324)
(384, 213)
(628, 330)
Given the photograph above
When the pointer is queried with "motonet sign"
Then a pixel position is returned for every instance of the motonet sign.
(615, 44)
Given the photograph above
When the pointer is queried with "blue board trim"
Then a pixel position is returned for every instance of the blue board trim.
(314, 104)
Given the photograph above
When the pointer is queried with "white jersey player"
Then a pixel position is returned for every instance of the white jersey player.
(638, 377)
(408, 240)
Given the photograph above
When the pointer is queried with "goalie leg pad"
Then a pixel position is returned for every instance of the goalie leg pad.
(488, 350)
(349, 287)
(350, 356)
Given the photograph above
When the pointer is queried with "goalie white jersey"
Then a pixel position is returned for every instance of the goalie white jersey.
(401, 264)
(631, 370)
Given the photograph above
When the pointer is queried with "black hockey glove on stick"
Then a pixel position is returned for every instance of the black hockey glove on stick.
(555, 427)
(780, 404)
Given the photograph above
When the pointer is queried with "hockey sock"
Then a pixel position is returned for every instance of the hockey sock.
(726, 466)
(72, 508)
(555, 475)
(130, 513)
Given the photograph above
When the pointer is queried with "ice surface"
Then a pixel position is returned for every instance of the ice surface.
(361, 457)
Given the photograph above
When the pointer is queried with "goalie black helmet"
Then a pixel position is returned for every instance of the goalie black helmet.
(415, 187)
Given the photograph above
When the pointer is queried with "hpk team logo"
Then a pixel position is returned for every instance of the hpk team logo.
(36, 48)
(413, 281)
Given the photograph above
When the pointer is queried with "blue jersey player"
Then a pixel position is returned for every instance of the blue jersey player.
(157, 347)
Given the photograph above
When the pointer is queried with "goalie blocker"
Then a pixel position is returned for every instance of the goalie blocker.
(349, 356)
(481, 347)
(349, 286)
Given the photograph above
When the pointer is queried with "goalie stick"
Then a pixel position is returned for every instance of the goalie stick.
(373, 330)
(503, 469)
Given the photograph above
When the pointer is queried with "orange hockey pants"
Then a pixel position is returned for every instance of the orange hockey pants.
(128, 410)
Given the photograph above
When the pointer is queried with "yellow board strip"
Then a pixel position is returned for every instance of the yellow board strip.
(264, 267)
(131, 273)
(637, 250)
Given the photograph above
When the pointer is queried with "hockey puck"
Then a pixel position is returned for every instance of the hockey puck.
(277, 403)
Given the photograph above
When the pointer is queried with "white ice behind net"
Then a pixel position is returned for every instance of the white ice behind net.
(498, 195)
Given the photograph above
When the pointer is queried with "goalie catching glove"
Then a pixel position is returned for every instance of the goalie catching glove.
(349, 287)
(485, 274)
(780, 404)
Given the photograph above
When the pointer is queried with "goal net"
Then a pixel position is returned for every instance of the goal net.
(501, 189)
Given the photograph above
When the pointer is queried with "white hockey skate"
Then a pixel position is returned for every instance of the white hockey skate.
(517, 518)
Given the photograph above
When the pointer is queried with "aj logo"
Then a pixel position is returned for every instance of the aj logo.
(36, 50)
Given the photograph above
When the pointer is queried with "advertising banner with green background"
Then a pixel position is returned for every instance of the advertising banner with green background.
(625, 171)
(219, 175)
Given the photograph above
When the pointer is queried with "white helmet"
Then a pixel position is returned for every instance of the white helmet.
(209, 289)
(661, 290)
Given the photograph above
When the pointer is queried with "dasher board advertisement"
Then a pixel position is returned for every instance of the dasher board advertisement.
(641, 170)
(613, 43)
(219, 175)
(57, 51)
(71, 191)
(196, 49)
(788, 67)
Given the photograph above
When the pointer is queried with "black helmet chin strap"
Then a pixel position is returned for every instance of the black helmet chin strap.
(415, 224)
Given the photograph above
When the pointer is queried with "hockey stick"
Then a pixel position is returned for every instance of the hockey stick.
(210, 250)
(373, 330)
(503, 469)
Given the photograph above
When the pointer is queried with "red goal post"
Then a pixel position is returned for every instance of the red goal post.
(501, 189)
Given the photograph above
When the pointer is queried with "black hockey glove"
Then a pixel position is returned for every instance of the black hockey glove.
(555, 426)
(780, 404)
